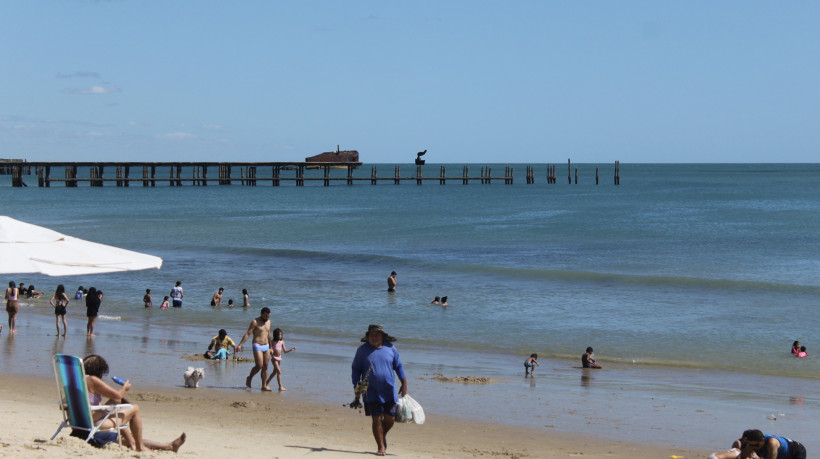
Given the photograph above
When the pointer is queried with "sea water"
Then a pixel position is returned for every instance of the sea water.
(681, 271)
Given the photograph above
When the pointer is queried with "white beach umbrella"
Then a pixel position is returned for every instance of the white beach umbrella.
(27, 248)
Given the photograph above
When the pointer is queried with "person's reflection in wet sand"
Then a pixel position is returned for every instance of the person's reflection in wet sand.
(586, 378)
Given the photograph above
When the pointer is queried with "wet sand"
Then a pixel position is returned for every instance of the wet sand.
(252, 424)
(473, 403)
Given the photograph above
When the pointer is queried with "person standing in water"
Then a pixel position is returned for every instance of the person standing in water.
(12, 306)
(392, 282)
(60, 301)
(92, 309)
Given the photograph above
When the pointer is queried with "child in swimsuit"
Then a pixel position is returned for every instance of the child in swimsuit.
(165, 303)
(530, 364)
(278, 349)
(147, 298)
(802, 352)
(796, 347)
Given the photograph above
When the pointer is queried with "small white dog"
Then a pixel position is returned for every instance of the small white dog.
(192, 376)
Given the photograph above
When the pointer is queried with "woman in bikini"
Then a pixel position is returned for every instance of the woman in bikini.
(59, 301)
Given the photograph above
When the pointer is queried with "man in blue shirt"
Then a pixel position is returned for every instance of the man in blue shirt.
(375, 362)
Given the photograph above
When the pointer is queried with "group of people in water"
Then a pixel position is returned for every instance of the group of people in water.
(798, 350)
(59, 301)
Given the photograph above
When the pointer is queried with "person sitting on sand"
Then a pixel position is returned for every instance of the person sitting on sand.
(218, 349)
(587, 361)
(436, 300)
(802, 352)
(795, 347)
(95, 369)
(530, 364)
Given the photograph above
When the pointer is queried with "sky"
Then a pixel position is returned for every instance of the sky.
(469, 81)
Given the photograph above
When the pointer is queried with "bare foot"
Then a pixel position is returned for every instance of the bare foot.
(266, 389)
(248, 382)
(178, 442)
(380, 453)
(282, 389)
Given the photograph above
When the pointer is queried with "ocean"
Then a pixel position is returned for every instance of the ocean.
(688, 279)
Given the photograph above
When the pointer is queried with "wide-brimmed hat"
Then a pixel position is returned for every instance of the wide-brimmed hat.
(379, 328)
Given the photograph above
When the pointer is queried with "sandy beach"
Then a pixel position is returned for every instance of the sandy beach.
(252, 424)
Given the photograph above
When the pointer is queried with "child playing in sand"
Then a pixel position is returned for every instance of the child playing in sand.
(165, 303)
(530, 364)
(278, 349)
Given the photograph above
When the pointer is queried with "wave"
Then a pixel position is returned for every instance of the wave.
(106, 317)
(519, 273)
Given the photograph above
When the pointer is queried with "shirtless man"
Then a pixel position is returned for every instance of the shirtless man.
(217, 299)
(391, 282)
(260, 328)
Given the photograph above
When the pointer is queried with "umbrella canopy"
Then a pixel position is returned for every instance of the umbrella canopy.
(27, 248)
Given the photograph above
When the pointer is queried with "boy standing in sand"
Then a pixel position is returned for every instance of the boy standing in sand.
(260, 328)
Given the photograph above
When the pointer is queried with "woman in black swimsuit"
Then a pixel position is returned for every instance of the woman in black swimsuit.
(92, 305)
(59, 301)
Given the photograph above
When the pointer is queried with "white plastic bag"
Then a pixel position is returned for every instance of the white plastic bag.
(415, 409)
(403, 411)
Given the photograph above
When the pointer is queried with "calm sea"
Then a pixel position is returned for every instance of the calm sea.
(690, 281)
(702, 266)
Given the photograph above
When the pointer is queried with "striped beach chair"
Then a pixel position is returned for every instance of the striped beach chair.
(74, 404)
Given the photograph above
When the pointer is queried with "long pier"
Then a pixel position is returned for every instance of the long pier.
(148, 174)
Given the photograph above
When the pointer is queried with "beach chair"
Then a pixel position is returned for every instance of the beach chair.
(74, 404)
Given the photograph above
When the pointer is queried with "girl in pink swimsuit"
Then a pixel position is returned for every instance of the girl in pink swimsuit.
(278, 349)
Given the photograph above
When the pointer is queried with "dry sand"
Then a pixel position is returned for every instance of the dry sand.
(276, 425)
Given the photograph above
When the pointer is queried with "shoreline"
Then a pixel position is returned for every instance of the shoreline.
(653, 407)
(266, 425)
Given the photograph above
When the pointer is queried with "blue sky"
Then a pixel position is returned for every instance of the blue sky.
(470, 81)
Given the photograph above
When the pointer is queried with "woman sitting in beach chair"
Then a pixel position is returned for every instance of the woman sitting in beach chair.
(95, 368)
